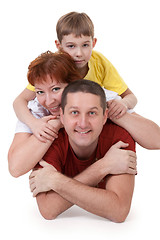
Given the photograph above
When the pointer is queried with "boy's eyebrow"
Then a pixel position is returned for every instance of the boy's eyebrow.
(74, 42)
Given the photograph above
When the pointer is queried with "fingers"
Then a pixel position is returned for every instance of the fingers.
(121, 144)
(44, 163)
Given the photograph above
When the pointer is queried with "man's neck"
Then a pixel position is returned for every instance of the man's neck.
(84, 153)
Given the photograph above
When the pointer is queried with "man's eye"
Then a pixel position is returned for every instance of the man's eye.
(74, 112)
(92, 113)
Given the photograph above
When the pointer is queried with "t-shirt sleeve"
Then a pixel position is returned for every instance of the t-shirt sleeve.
(54, 157)
(30, 87)
(122, 135)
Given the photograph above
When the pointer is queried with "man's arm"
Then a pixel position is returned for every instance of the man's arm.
(41, 180)
(112, 203)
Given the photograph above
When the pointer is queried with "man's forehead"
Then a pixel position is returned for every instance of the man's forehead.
(82, 98)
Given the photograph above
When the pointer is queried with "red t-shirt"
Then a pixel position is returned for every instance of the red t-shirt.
(62, 157)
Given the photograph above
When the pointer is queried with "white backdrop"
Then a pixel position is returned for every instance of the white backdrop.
(128, 35)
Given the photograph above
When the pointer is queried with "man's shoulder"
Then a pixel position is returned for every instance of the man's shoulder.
(114, 133)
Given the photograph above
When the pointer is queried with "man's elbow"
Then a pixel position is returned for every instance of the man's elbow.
(47, 214)
(120, 215)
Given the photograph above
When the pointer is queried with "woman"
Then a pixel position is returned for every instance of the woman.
(50, 73)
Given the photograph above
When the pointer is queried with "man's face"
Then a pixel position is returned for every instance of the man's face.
(79, 48)
(83, 120)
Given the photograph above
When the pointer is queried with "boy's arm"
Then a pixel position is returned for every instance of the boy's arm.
(20, 106)
(129, 99)
(56, 202)
(144, 131)
(117, 108)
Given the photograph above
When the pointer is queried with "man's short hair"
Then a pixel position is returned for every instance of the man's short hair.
(85, 86)
(74, 23)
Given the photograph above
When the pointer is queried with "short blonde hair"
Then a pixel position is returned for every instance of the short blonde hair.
(74, 23)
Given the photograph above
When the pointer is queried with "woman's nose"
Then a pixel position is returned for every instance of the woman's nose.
(49, 100)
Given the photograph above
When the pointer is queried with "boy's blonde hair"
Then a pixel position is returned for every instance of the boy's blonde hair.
(74, 23)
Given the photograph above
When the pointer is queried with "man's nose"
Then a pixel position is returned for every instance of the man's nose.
(83, 121)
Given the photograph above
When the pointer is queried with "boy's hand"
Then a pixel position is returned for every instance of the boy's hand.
(120, 160)
(45, 128)
(116, 109)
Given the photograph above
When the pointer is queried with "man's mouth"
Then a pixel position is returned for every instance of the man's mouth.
(82, 132)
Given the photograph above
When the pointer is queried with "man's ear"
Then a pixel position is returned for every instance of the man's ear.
(105, 116)
(94, 42)
(58, 45)
(61, 115)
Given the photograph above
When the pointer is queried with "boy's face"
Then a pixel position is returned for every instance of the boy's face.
(79, 48)
(83, 120)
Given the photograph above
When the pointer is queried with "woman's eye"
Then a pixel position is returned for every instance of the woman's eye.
(39, 92)
(55, 89)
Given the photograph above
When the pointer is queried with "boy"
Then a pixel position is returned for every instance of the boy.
(75, 32)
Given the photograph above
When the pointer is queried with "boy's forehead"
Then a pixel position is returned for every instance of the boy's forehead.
(72, 37)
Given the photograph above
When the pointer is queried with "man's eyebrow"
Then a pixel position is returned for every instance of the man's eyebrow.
(76, 107)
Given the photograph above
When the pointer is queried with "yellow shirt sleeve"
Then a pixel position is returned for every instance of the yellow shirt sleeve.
(30, 87)
(104, 73)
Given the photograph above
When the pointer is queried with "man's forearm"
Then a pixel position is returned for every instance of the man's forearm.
(107, 203)
(56, 204)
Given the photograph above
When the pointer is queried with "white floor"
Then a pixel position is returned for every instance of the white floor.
(128, 35)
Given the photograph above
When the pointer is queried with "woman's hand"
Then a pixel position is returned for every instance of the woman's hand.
(46, 128)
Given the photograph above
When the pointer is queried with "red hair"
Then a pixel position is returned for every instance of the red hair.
(58, 65)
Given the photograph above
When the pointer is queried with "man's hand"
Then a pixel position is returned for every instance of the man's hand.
(121, 161)
(40, 180)
(116, 108)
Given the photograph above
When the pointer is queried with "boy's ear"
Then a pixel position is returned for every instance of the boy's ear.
(58, 45)
(94, 42)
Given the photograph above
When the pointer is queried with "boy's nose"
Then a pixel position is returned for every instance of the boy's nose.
(79, 52)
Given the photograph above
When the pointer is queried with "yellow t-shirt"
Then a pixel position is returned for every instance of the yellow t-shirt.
(105, 74)
(102, 72)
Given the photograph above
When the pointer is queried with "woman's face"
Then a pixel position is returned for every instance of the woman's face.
(49, 94)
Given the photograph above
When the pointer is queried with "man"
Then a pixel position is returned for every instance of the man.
(87, 165)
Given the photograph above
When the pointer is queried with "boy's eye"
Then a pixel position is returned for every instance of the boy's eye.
(85, 45)
(70, 46)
